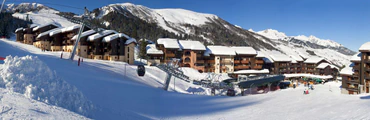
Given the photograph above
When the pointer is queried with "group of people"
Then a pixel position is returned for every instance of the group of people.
(310, 86)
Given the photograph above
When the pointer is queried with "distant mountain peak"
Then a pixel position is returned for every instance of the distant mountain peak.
(272, 34)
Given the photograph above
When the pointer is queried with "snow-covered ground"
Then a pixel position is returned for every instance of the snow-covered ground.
(117, 94)
(17, 106)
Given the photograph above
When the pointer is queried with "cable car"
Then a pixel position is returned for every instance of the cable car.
(140, 70)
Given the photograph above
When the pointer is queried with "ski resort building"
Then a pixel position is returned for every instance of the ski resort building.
(155, 56)
(311, 64)
(42, 41)
(62, 38)
(220, 59)
(192, 52)
(83, 46)
(107, 45)
(29, 34)
(281, 63)
(356, 78)
(96, 49)
(19, 35)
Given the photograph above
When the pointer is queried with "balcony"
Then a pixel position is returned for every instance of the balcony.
(211, 61)
(352, 89)
(354, 81)
(199, 61)
(237, 61)
(259, 62)
(241, 67)
(257, 67)
(170, 55)
(244, 61)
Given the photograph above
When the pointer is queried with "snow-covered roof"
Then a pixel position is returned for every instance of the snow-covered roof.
(44, 25)
(169, 43)
(151, 49)
(323, 65)
(309, 75)
(66, 29)
(19, 29)
(260, 54)
(219, 50)
(244, 50)
(314, 59)
(47, 32)
(333, 66)
(296, 58)
(83, 34)
(192, 45)
(131, 40)
(268, 60)
(303, 55)
(264, 71)
(293, 61)
(279, 57)
(33, 25)
(123, 35)
(356, 57)
(346, 71)
(99, 35)
(110, 37)
(365, 47)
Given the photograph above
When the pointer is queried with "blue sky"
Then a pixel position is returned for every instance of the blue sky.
(344, 21)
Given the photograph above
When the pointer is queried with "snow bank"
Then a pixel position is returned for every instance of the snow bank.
(30, 76)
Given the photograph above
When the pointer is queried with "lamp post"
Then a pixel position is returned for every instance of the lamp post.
(2, 6)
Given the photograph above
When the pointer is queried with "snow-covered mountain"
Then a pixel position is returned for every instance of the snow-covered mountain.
(204, 27)
(272, 34)
(276, 35)
(25, 7)
(166, 18)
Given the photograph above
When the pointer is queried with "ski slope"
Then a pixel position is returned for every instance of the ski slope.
(117, 94)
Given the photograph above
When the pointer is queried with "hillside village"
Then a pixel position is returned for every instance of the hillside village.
(119, 74)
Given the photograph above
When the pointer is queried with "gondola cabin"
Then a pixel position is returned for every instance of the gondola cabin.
(140, 70)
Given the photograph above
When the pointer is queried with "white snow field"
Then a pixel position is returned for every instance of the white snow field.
(17, 106)
(117, 94)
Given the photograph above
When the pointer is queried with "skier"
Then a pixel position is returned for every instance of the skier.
(294, 86)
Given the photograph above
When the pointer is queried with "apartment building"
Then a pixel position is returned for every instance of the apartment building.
(106, 45)
(155, 56)
(311, 63)
(220, 59)
(170, 48)
(281, 64)
(42, 40)
(192, 52)
(95, 43)
(351, 76)
(361, 72)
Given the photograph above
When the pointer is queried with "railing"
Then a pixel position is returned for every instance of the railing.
(257, 67)
(199, 61)
(211, 61)
(259, 62)
(241, 67)
(170, 55)
(244, 61)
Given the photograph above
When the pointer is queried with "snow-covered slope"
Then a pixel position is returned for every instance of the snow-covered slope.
(168, 19)
(119, 94)
(38, 13)
(295, 45)
(17, 106)
(272, 34)
(276, 35)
